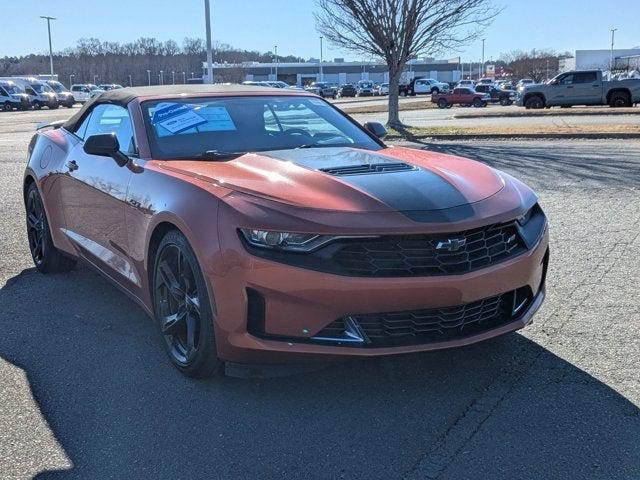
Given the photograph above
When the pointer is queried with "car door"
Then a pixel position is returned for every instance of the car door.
(420, 86)
(94, 193)
(562, 92)
(586, 88)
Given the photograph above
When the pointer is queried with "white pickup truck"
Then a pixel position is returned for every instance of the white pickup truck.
(585, 87)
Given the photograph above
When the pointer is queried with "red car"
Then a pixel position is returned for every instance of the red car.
(463, 96)
(261, 226)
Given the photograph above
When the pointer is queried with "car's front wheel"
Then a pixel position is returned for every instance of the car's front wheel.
(46, 257)
(7, 106)
(182, 308)
(442, 103)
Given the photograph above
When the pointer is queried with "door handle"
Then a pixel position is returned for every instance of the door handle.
(71, 165)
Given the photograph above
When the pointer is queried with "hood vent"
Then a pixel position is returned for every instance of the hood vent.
(368, 168)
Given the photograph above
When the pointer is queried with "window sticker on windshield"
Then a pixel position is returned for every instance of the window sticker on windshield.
(217, 118)
(176, 117)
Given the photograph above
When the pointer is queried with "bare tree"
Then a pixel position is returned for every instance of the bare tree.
(537, 64)
(397, 30)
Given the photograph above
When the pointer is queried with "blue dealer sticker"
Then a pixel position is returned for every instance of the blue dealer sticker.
(176, 117)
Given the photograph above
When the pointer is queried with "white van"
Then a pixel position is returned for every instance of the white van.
(40, 94)
(64, 96)
(12, 96)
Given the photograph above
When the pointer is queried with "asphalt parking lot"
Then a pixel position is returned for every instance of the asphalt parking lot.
(86, 390)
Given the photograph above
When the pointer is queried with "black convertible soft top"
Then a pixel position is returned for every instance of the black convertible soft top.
(122, 96)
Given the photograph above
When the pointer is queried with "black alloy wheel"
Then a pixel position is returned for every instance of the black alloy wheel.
(46, 257)
(182, 308)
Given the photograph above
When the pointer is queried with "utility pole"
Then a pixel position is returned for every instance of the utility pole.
(483, 67)
(48, 19)
(71, 77)
(321, 74)
(276, 60)
(130, 82)
(184, 77)
(613, 33)
(149, 77)
(173, 77)
(207, 14)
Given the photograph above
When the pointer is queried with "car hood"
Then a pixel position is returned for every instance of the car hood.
(350, 179)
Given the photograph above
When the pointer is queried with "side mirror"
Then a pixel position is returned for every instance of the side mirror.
(376, 129)
(106, 145)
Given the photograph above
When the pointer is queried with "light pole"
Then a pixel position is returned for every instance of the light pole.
(95, 79)
(276, 59)
(161, 77)
(184, 77)
(613, 33)
(207, 14)
(71, 77)
(149, 77)
(173, 77)
(191, 75)
(48, 19)
(321, 74)
(483, 55)
(130, 82)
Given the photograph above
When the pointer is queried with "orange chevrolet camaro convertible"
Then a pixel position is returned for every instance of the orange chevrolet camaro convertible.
(264, 227)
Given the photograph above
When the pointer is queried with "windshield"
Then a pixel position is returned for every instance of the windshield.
(40, 88)
(12, 89)
(57, 87)
(187, 128)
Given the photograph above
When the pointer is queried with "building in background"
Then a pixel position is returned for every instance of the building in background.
(338, 71)
(596, 59)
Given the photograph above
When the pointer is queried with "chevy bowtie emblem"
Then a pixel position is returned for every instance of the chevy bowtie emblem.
(452, 244)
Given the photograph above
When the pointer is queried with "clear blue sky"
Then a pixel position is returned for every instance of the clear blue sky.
(260, 24)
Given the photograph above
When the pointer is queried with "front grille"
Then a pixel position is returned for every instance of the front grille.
(368, 168)
(419, 255)
(418, 327)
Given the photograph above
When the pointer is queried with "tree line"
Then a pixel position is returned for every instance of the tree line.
(96, 61)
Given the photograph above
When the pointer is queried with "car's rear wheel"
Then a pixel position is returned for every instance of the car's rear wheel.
(505, 102)
(7, 106)
(37, 105)
(477, 103)
(619, 99)
(442, 103)
(46, 257)
(182, 308)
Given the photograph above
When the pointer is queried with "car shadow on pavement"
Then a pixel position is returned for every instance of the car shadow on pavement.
(548, 164)
(507, 408)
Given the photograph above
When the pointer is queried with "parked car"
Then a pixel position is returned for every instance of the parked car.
(384, 89)
(323, 89)
(347, 90)
(497, 95)
(40, 94)
(83, 92)
(64, 96)
(419, 86)
(109, 86)
(486, 81)
(584, 87)
(523, 83)
(13, 97)
(463, 96)
(466, 83)
(358, 250)
(364, 88)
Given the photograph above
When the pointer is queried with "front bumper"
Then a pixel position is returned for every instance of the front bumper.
(300, 303)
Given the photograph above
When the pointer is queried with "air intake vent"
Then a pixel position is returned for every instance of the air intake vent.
(368, 168)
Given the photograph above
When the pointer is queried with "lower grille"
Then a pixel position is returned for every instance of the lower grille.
(418, 327)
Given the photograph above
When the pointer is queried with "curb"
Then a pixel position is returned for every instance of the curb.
(554, 113)
(511, 136)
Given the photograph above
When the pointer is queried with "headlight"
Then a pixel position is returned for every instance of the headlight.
(292, 242)
(524, 219)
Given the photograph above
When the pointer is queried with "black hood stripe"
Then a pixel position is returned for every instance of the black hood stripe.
(406, 191)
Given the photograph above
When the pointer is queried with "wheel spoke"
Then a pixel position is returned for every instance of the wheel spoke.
(32, 219)
(193, 304)
(171, 323)
(192, 325)
(170, 281)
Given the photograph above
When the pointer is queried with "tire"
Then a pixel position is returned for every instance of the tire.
(53, 107)
(478, 103)
(46, 257)
(435, 90)
(37, 105)
(182, 308)
(619, 100)
(442, 103)
(534, 102)
(505, 102)
(7, 107)
(69, 104)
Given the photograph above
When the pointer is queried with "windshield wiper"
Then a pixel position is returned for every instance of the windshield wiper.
(319, 145)
(219, 154)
